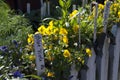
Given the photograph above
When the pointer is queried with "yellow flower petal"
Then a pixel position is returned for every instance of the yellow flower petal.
(119, 14)
(65, 39)
(88, 52)
(30, 38)
(50, 74)
(51, 23)
(42, 29)
(32, 57)
(63, 31)
(66, 53)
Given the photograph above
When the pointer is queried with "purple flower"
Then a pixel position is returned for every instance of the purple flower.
(15, 43)
(17, 74)
(4, 48)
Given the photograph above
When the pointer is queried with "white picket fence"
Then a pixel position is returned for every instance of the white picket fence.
(104, 63)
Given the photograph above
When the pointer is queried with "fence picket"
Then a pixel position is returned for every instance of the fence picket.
(102, 61)
(114, 74)
(92, 67)
(73, 73)
(106, 15)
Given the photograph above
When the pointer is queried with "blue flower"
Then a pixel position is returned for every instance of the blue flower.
(17, 74)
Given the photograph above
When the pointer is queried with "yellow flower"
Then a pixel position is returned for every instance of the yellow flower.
(30, 38)
(55, 31)
(63, 31)
(100, 6)
(65, 39)
(42, 29)
(49, 31)
(105, 2)
(51, 23)
(75, 28)
(88, 52)
(115, 9)
(32, 57)
(66, 53)
(73, 13)
(116, 5)
(50, 74)
(90, 17)
(119, 14)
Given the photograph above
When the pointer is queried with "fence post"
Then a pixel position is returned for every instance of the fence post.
(40, 64)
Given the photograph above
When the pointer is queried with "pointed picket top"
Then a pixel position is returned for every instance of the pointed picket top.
(106, 15)
(40, 64)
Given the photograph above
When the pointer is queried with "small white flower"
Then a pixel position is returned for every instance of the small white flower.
(67, 24)
(75, 44)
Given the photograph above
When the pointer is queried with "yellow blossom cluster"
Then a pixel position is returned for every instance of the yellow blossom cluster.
(115, 12)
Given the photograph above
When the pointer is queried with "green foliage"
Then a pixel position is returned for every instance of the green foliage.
(13, 38)
(12, 26)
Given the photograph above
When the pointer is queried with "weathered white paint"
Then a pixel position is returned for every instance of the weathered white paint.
(106, 15)
(91, 72)
(116, 56)
(40, 64)
(73, 73)
(28, 8)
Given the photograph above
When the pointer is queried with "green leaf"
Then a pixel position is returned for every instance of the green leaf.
(34, 76)
(68, 3)
(61, 3)
(64, 13)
